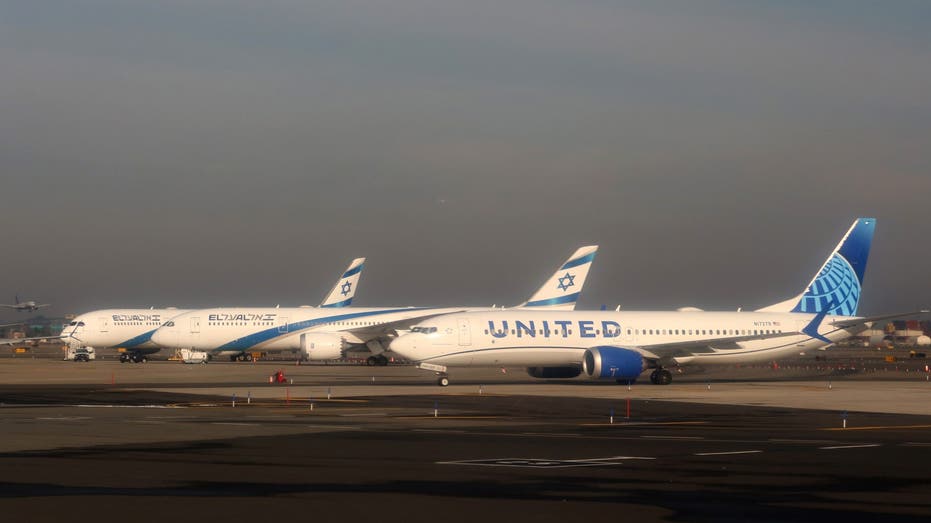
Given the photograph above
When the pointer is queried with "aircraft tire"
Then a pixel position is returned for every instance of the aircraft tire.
(443, 381)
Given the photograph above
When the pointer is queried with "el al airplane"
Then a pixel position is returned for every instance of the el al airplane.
(620, 345)
(321, 334)
(25, 306)
(132, 329)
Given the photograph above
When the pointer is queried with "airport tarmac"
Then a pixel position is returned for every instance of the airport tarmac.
(108, 442)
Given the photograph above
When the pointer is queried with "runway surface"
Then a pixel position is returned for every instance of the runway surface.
(106, 442)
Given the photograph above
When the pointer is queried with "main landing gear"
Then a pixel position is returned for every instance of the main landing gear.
(245, 356)
(133, 357)
(378, 360)
(660, 377)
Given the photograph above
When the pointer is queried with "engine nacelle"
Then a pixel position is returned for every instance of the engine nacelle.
(554, 372)
(614, 363)
(322, 345)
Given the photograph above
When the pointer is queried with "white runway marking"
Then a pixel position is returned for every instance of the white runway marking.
(727, 453)
(545, 463)
(851, 446)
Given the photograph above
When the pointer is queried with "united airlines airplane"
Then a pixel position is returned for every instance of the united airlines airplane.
(621, 345)
(132, 329)
(322, 334)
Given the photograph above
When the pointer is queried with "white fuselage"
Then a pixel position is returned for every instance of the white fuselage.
(117, 328)
(275, 329)
(531, 338)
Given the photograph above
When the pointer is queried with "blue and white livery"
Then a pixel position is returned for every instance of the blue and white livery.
(325, 334)
(621, 345)
(345, 289)
(562, 290)
(836, 287)
(131, 330)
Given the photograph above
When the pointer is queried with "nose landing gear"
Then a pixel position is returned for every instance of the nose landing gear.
(442, 378)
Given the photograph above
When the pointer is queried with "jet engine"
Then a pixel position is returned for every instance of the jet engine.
(322, 345)
(554, 372)
(614, 363)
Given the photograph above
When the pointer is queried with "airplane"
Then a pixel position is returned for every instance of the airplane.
(132, 329)
(620, 345)
(25, 306)
(321, 334)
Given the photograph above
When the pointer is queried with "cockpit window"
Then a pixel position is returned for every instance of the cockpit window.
(80, 324)
(73, 323)
(424, 330)
(168, 323)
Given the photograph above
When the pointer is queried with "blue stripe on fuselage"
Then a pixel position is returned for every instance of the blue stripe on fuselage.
(269, 334)
(138, 340)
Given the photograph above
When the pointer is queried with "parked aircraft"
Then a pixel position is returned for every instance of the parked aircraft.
(620, 345)
(132, 329)
(321, 334)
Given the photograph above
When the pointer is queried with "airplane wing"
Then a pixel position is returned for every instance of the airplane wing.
(688, 348)
(856, 322)
(41, 305)
(382, 330)
(692, 347)
(18, 341)
(4, 305)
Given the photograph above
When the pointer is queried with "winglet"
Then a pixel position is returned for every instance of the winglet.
(345, 289)
(561, 291)
(812, 328)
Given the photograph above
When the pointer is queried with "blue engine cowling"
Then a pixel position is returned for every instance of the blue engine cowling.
(614, 363)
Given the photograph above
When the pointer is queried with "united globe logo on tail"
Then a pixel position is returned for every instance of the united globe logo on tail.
(836, 287)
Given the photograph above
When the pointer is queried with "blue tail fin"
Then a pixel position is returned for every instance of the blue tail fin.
(835, 289)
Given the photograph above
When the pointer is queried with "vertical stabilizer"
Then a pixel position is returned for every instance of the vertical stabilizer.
(345, 288)
(561, 291)
(836, 287)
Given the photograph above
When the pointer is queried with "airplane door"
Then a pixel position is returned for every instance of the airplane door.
(282, 324)
(195, 325)
(104, 324)
(465, 332)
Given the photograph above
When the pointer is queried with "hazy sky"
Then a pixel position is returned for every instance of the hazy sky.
(208, 152)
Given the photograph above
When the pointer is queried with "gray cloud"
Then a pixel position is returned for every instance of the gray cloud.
(200, 153)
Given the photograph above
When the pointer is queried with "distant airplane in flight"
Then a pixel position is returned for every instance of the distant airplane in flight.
(25, 306)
